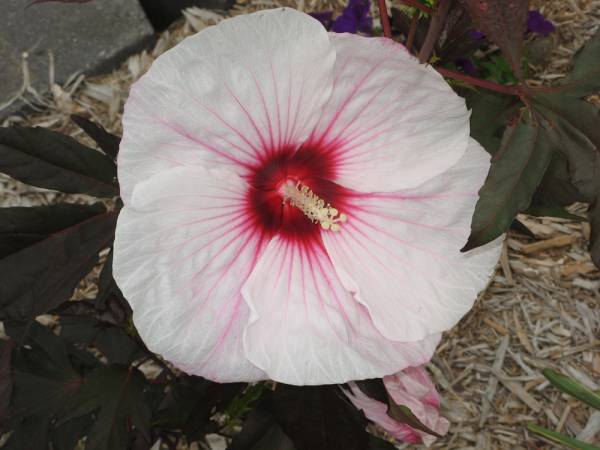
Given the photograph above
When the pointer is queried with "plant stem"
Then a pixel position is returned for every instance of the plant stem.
(416, 4)
(435, 28)
(509, 90)
(412, 31)
(385, 19)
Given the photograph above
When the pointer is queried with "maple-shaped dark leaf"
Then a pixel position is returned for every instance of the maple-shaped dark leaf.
(21, 227)
(504, 22)
(516, 171)
(260, 431)
(109, 143)
(116, 395)
(576, 122)
(31, 433)
(43, 275)
(111, 340)
(51, 160)
(319, 418)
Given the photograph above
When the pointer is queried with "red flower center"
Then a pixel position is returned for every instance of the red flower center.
(310, 165)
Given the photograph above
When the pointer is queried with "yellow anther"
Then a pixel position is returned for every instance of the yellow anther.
(312, 206)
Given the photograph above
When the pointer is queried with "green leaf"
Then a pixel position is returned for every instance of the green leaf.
(550, 211)
(573, 387)
(115, 393)
(504, 23)
(109, 143)
(516, 171)
(21, 227)
(51, 160)
(40, 277)
(560, 438)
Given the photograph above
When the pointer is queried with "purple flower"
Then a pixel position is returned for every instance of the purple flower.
(537, 23)
(325, 17)
(476, 35)
(355, 18)
(466, 65)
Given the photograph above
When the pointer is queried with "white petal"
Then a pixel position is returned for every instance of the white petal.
(391, 122)
(306, 329)
(399, 252)
(183, 249)
(228, 95)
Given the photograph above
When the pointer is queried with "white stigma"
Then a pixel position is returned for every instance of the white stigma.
(312, 206)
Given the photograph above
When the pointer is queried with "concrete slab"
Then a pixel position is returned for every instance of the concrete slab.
(88, 37)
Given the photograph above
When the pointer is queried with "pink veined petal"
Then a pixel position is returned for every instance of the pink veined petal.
(399, 252)
(183, 249)
(391, 122)
(412, 388)
(306, 329)
(228, 96)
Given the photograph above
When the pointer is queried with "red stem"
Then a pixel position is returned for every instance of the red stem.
(509, 90)
(435, 28)
(418, 5)
(385, 20)
(412, 31)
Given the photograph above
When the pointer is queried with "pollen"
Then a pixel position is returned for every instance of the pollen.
(313, 207)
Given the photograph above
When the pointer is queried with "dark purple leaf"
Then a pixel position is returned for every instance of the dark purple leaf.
(109, 143)
(537, 23)
(319, 417)
(40, 277)
(6, 384)
(21, 227)
(504, 23)
(51, 160)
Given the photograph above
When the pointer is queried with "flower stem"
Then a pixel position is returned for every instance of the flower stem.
(385, 19)
(503, 89)
(435, 28)
(416, 4)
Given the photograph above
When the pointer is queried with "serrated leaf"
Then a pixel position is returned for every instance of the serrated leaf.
(40, 277)
(316, 417)
(116, 394)
(21, 227)
(109, 143)
(504, 22)
(573, 387)
(51, 160)
(516, 171)
(560, 438)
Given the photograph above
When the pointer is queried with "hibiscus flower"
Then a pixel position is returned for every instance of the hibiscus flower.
(411, 388)
(294, 204)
